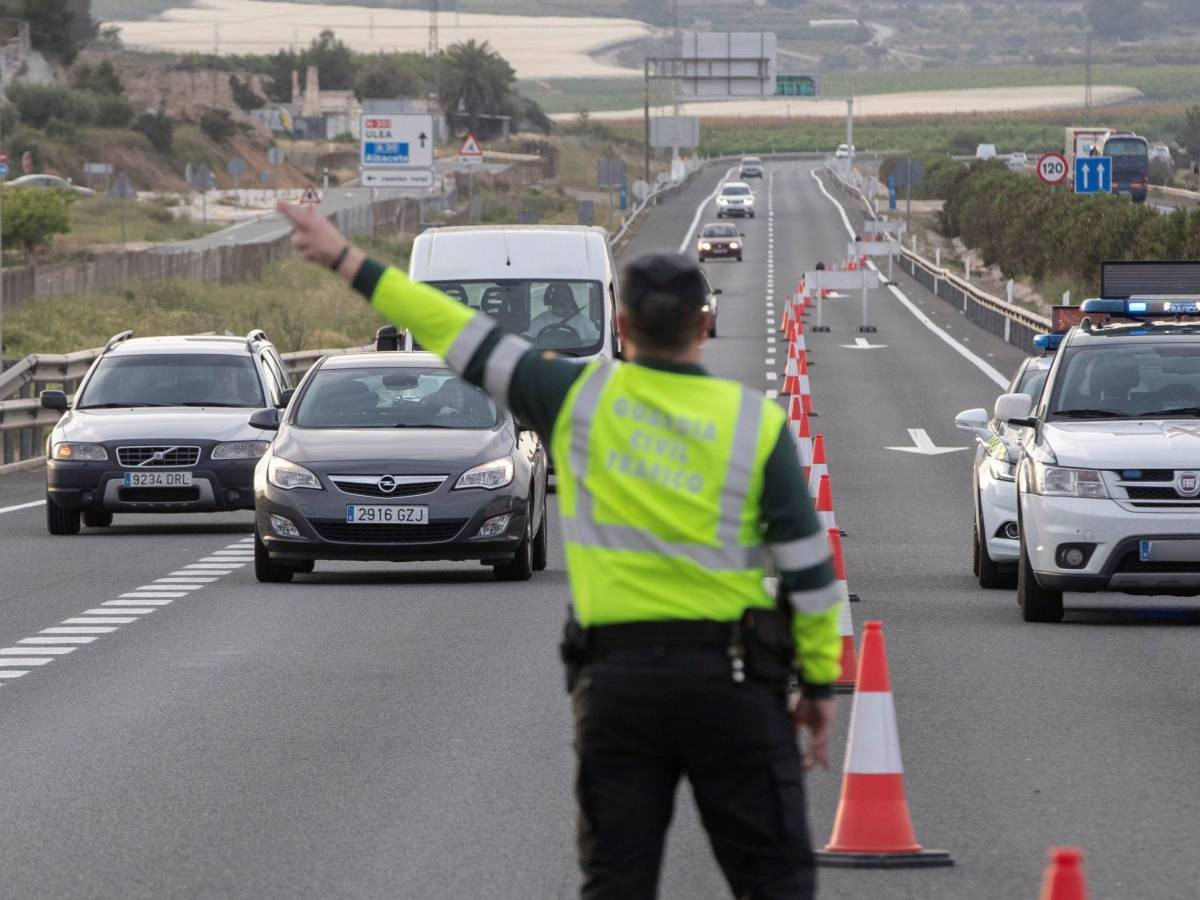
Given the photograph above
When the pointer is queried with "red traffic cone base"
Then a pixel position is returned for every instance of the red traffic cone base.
(1064, 878)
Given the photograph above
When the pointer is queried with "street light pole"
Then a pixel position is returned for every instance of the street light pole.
(647, 135)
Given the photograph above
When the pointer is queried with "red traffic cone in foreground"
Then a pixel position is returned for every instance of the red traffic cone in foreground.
(820, 465)
(791, 378)
(873, 828)
(845, 681)
(825, 503)
(803, 438)
(1064, 878)
(805, 386)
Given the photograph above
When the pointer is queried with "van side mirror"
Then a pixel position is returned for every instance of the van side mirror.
(285, 398)
(387, 338)
(1010, 407)
(54, 400)
(266, 419)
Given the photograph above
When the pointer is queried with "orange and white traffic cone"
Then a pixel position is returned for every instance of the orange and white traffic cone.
(791, 379)
(803, 438)
(1064, 879)
(845, 681)
(873, 828)
(786, 320)
(805, 386)
(820, 465)
(825, 503)
(795, 408)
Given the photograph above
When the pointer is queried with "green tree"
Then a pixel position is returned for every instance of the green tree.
(1189, 136)
(158, 128)
(99, 79)
(334, 61)
(32, 216)
(392, 75)
(57, 28)
(218, 125)
(39, 104)
(1116, 18)
(245, 96)
(475, 81)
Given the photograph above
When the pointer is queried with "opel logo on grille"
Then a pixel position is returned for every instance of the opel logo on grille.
(387, 484)
(1187, 484)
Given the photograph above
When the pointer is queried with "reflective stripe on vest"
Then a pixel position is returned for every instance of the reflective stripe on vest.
(582, 528)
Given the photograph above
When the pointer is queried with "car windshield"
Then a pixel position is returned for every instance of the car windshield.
(401, 397)
(176, 379)
(735, 190)
(1124, 147)
(720, 231)
(567, 316)
(1134, 381)
(751, 161)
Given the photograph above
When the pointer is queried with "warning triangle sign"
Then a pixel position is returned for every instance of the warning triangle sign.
(310, 195)
(471, 147)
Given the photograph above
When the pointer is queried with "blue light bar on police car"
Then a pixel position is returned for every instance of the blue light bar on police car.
(1048, 342)
(1135, 308)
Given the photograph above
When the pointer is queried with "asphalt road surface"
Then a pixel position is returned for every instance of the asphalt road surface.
(402, 731)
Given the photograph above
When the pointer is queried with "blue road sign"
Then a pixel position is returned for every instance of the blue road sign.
(3, 170)
(1093, 174)
(624, 198)
(385, 153)
(891, 192)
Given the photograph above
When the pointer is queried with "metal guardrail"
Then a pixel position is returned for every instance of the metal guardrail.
(1014, 324)
(23, 422)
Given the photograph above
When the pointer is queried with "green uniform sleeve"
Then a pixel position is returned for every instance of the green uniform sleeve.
(532, 384)
(804, 560)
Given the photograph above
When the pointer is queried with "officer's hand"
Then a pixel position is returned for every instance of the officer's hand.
(817, 716)
(313, 236)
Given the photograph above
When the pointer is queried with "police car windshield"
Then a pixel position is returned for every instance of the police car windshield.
(567, 316)
(180, 379)
(406, 397)
(1143, 380)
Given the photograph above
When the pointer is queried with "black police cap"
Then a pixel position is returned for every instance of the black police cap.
(663, 274)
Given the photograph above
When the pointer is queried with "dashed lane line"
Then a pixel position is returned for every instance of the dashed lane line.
(32, 653)
(30, 505)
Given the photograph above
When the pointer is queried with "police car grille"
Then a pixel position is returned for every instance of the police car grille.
(343, 532)
(1132, 563)
(172, 456)
(402, 490)
(1145, 474)
(1152, 493)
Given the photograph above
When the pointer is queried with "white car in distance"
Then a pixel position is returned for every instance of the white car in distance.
(735, 199)
(996, 535)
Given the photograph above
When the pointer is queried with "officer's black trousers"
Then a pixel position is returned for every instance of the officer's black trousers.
(643, 718)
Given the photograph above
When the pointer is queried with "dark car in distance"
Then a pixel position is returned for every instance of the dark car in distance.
(719, 241)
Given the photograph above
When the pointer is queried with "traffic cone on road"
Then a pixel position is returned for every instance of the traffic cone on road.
(1064, 879)
(873, 828)
(845, 681)
(825, 503)
(805, 386)
(791, 378)
(785, 322)
(803, 438)
(819, 464)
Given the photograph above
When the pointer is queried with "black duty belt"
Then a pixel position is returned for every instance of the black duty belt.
(627, 635)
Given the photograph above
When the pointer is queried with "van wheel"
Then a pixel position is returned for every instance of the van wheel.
(97, 518)
(1038, 604)
(265, 570)
(59, 519)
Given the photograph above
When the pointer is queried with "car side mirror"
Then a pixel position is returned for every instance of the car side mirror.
(975, 420)
(387, 338)
(1014, 406)
(266, 419)
(741, 234)
(718, 291)
(54, 400)
(285, 398)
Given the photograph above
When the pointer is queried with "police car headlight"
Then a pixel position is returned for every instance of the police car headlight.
(80, 452)
(1056, 481)
(240, 450)
(286, 474)
(1002, 469)
(705, 245)
(489, 475)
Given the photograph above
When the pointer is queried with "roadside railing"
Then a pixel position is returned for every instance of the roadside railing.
(23, 422)
(1012, 323)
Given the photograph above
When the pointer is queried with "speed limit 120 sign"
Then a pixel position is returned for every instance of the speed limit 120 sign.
(1052, 168)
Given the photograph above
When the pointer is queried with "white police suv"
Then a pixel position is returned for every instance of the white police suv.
(1108, 484)
(995, 537)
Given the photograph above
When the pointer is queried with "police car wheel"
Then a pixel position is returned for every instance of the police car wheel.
(1038, 604)
(521, 567)
(59, 519)
(991, 575)
(265, 570)
(97, 518)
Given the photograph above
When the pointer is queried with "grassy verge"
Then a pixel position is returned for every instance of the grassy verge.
(97, 220)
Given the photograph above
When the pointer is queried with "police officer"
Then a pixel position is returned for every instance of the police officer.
(679, 492)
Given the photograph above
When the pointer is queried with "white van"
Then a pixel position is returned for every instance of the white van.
(555, 285)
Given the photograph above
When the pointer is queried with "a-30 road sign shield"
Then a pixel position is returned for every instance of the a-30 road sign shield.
(1052, 168)
(1093, 174)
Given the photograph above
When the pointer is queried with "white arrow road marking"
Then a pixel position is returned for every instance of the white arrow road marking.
(924, 444)
(863, 344)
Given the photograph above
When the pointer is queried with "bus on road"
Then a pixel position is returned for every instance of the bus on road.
(1131, 163)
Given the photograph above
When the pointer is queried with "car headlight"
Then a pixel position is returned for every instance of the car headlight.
(722, 201)
(749, 201)
(705, 245)
(489, 475)
(733, 245)
(1002, 469)
(1056, 481)
(240, 450)
(80, 452)
(286, 474)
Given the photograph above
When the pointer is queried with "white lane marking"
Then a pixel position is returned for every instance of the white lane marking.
(196, 580)
(219, 562)
(73, 629)
(119, 611)
(100, 620)
(14, 673)
(149, 595)
(771, 376)
(144, 601)
(25, 651)
(977, 361)
(863, 344)
(240, 551)
(30, 505)
(924, 444)
(683, 245)
(204, 569)
(26, 661)
(179, 584)
(40, 641)
(772, 394)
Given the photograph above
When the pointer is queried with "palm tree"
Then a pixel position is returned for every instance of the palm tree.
(475, 80)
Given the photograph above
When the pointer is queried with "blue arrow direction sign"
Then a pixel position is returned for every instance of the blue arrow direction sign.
(3, 170)
(1093, 174)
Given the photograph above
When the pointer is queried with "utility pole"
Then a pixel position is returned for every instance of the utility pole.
(647, 64)
(1087, 82)
(434, 50)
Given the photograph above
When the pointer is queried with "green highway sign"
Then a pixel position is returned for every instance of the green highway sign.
(795, 86)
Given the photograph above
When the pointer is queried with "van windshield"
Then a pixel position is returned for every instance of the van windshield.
(567, 316)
